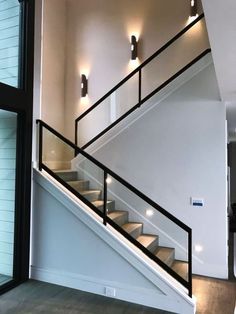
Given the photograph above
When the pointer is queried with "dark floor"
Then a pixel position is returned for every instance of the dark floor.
(36, 297)
(213, 297)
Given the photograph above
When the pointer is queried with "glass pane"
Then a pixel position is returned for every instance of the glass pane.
(8, 126)
(9, 42)
(84, 177)
(107, 112)
(157, 233)
(174, 58)
(56, 154)
(91, 178)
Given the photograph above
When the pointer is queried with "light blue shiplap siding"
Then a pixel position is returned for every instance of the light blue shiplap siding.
(7, 192)
(9, 41)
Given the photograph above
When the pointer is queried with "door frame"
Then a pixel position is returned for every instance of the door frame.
(20, 100)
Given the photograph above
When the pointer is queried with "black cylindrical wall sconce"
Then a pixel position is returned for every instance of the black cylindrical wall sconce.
(193, 8)
(84, 85)
(134, 48)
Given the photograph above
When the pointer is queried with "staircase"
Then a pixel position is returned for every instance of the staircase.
(92, 189)
(121, 218)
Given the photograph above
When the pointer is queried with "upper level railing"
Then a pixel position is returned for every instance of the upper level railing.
(145, 81)
(56, 152)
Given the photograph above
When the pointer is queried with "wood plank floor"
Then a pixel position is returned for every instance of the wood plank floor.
(33, 297)
(214, 296)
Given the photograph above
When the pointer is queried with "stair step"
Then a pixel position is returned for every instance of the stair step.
(166, 254)
(91, 195)
(134, 229)
(149, 241)
(79, 185)
(99, 205)
(120, 217)
(67, 175)
(181, 268)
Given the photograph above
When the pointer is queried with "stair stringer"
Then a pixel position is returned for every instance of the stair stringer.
(134, 214)
(169, 295)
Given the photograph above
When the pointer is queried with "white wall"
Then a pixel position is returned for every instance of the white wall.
(72, 247)
(178, 150)
(98, 45)
(94, 38)
(221, 24)
(53, 62)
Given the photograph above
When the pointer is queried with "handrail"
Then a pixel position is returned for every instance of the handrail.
(116, 176)
(141, 101)
(103, 215)
(154, 55)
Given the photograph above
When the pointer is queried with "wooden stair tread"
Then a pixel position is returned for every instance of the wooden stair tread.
(66, 174)
(87, 192)
(64, 170)
(147, 239)
(77, 181)
(116, 213)
(165, 254)
(130, 226)
(79, 185)
(99, 203)
(181, 268)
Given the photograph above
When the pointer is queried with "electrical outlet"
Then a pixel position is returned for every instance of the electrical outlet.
(110, 292)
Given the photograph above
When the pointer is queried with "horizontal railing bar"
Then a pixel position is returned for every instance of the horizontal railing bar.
(118, 178)
(146, 98)
(173, 77)
(159, 51)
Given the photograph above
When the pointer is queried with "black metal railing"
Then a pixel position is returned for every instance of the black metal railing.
(47, 136)
(141, 99)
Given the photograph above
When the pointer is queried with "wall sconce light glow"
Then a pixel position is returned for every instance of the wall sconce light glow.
(198, 248)
(149, 212)
(108, 180)
(84, 85)
(134, 48)
(193, 8)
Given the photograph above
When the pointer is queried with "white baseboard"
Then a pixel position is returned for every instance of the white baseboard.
(173, 297)
(132, 294)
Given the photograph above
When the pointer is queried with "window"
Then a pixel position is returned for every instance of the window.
(10, 31)
(16, 97)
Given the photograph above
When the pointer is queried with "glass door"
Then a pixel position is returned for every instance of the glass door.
(10, 30)
(8, 131)
(16, 103)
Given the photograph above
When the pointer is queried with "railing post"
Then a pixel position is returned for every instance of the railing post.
(40, 147)
(190, 263)
(76, 131)
(140, 86)
(105, 199)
